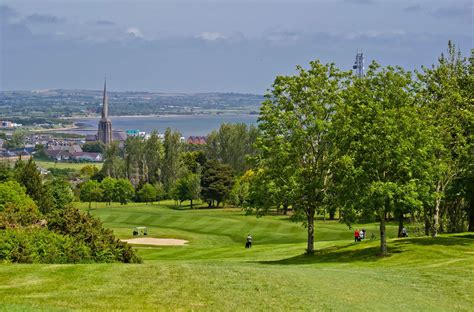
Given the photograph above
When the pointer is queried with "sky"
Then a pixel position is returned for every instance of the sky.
(214, 46)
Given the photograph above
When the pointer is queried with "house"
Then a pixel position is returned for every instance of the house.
(13, 156)
(86, 156)
(198, 140)
(58, 155)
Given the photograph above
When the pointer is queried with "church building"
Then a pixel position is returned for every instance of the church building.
(105, 134)
(105, 124)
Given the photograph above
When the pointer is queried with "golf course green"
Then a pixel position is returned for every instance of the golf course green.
(215, 272)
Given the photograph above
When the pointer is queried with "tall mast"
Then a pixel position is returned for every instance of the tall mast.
(359, 64)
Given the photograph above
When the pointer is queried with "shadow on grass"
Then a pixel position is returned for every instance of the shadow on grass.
(468, 236)
(456, 240)
(337, 255)
(370, 252)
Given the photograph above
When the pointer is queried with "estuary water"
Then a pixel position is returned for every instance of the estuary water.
(188, 125)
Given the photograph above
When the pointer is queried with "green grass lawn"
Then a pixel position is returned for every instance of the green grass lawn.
(64, 165)
(215, 272)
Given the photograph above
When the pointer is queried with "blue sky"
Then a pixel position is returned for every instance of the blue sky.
(221, 46)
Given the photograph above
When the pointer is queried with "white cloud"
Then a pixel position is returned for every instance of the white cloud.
(134, 31)
(211, 36)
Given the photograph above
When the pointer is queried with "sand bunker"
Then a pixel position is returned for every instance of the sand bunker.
(156, 241)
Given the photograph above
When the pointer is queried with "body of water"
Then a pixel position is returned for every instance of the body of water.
(188, 125)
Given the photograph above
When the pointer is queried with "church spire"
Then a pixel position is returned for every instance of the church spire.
(105, 102)
(104, 133)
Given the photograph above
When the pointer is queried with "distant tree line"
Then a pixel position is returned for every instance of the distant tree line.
(152, 169)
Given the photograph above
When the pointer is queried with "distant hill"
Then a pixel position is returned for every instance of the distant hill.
(67, 103)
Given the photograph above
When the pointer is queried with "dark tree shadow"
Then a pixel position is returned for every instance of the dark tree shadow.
(370, 253)
(459, 240)
(336, 254)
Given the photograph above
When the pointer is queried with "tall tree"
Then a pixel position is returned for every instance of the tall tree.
(216, 182)
(108, 189)
(135, 160)
(170, 167)
(447, 95)
(90, 191)
(124, 191)
(147, 193)
(154, 157)
(384, 145)
(295, 122)
(114, 164)
(232, 144)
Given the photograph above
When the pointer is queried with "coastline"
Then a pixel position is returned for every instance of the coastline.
(161, 116)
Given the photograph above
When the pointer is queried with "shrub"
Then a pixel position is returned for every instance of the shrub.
(104, 246)
(35, 245)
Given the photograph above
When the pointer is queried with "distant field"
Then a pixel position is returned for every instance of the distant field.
(215, 272)
(63, 165)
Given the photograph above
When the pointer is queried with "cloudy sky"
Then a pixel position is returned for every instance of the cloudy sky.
(220, 45)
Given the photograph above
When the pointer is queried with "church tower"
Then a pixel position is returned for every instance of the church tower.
(105, 124)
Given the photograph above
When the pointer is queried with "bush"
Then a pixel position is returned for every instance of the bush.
(16, 208)
(35, 245)
(104, 246)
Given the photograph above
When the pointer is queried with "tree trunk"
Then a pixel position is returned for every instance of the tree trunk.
(332, 214)
(191, 204)
(435, 227)
(471, 214)
(383, 237)
(310, 218)
(400, 224)
(285, 209)
(427, 224)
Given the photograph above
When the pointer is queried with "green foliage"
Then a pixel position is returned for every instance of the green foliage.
(123, 191)
(232, 144)
(187, 187)
(114, 164)
(295, 143)
(89, 230)
(40, 152)
(108, 189)
(90, 191)
(61, 193)
(446, 95)
(240, 194)
(154, 153)
(27, 174)
(385, 145)
(147, 193)
(216, 182)
(17, 140)
(6, 172)
(35, 245)
(66, 173)
(94, 147)
(88, 171)
(135, 159)
(172, 150)
(16, 207)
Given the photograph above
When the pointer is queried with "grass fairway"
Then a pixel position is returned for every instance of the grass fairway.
(65, 165)
(215, 272)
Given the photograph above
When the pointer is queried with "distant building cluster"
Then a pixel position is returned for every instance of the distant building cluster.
(9, 125)
(70, 149)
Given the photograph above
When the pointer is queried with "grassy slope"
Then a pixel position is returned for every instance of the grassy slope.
(215, 272)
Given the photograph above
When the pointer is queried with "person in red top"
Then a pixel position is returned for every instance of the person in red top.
(356, 235)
